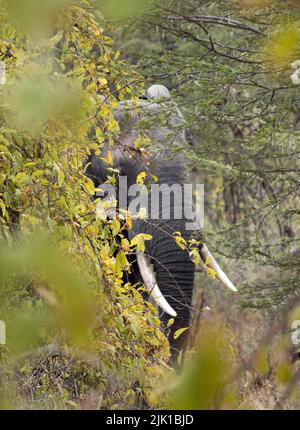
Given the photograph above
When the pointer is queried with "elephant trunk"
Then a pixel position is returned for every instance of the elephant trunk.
(175, 272)
(171, 272)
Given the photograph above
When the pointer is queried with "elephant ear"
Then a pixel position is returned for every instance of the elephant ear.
(151, 285)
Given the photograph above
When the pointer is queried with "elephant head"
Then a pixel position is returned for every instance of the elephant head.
(165, 268)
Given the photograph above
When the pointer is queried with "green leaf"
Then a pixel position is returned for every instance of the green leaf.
(60, 177)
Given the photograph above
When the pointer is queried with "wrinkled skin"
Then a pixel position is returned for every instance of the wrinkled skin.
(173, 267)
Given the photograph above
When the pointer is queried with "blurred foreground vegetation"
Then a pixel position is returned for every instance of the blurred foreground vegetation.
(77, 336)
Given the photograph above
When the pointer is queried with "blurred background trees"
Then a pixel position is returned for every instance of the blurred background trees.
(77, 337)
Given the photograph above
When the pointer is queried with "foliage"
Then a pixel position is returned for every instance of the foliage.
(62, 295)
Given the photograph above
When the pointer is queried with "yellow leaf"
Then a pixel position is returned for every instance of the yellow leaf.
(21, 179)
(155, 178)
(37, 173)
(100, 137)
(139, 241)
(121, 261)
(141, 178)
(115, 226)
(170, 322)
(109, 158)
(129, 222)
(3, 208)
(181, 242)
(125, 244)
(211, 273)
(60, 178)
(195, 256)
(89, 185)
(207, 261)
(179, 332)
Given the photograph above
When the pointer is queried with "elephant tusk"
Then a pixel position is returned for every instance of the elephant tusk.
(152, 288)
(209, 261)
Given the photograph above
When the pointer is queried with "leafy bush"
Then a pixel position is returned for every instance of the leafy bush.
(75, 332)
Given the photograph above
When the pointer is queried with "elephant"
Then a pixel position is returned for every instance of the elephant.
(165, 268)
